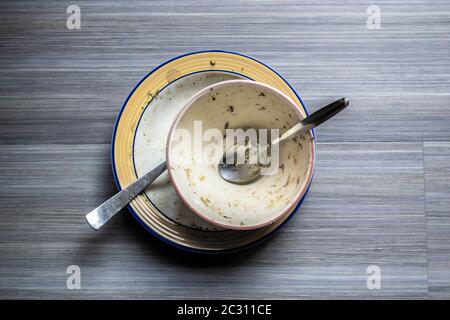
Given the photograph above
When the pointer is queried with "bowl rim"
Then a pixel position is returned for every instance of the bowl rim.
(294, 107)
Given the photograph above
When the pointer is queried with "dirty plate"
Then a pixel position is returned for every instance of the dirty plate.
(139, 141)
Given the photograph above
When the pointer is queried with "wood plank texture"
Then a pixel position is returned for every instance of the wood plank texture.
(381, 189)
(366, 207)
(437, 191)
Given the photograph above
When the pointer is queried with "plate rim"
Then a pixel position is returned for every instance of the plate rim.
(168, 241)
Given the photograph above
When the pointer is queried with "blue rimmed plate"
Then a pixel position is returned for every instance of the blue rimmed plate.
(139, 140)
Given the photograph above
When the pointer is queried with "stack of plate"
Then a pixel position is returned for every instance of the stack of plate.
(139, 141)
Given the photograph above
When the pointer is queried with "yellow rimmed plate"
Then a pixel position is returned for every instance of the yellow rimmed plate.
(139, 140)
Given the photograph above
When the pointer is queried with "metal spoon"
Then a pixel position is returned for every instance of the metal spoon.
(98, 217)
(244, 173)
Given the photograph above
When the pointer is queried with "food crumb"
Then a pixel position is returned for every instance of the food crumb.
(271, 204)
(287, 182)
(205, 201)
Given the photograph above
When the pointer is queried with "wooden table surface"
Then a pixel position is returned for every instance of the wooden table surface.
(381, 192)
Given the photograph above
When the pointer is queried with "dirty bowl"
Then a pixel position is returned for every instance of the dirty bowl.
(196, 143)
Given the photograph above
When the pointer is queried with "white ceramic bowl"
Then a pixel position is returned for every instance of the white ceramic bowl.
(194, 175)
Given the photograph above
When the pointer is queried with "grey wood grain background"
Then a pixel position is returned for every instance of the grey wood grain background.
(382, 185)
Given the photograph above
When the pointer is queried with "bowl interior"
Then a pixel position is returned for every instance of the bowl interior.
(196, 144)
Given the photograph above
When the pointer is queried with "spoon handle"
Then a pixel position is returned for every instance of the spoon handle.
(313, 120)
(325, 113)
(99, 216)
